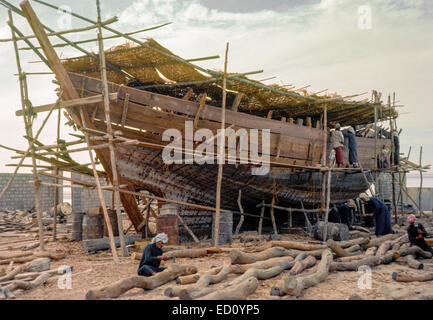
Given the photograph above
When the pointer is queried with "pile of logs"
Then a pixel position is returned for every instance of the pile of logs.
(27, 276)
(304, 264)
(14, 221)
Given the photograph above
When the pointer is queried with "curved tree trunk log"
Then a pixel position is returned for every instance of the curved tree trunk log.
(376, 260)
(254, 249)
(376, 242)
(238, 292)
(33, 256)
(28, 285)
(396, 247)
(36, 265)
(339, 251)
(414, 251)
(286, 262)
(362, 229)
(201, 288)
(193, 278)
(348, 243)
(413, 263)
(368, 261)
(259, 274)
(117, 288)
(239, 257)
(301, 265)
(370, 251)
(16, 255)
(383, 248)
(294, 286)
(412, 277)
(297, 245)
(206, 279)
(352, 249)
(350, 258)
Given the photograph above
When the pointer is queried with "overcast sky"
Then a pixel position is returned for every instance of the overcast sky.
(317, 43)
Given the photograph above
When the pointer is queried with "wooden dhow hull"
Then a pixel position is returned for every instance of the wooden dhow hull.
(144, 116)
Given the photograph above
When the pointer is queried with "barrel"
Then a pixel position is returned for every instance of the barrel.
(112, 215)
(93, 226)
(77, 226)
(168, 223)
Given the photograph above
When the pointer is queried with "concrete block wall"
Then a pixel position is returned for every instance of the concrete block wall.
(20, 194)
(83, 199)
(383, 186)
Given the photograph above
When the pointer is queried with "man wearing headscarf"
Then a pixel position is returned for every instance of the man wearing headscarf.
(417, 233)
(152, 256)
(337, 143)
(353, 146)
(376, 208)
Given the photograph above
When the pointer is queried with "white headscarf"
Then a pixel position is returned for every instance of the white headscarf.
(160, 237)
(364, 197)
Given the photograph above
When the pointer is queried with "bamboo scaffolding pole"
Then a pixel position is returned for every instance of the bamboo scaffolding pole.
(29, 132)
(57, 153)
(56, 170)
(392, 129)
(110, 133)
(420, 183)
(61, 45)
(221, 152)
(77, 30)
(61, 75)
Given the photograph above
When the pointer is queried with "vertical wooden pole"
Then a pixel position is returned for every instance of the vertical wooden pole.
(325, 145)
(241, 209)
(262, 213)
(274, 225)
(29, 132)
(325, 134)
(221, 152)
(56, 169)
(420, 182)
(105, 94)
(328, 200)
(394, 199)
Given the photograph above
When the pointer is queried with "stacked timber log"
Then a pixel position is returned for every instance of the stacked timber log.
(303, 264)
(28, 276)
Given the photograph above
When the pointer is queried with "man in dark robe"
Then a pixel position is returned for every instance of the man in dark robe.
(417, 233)
(152, 256)
(382, 218)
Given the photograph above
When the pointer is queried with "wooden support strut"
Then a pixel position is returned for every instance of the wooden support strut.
(200, 108)
(110, 134)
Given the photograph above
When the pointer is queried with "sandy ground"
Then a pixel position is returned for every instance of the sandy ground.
(94, 270)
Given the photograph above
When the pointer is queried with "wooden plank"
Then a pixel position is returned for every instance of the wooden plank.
(190, 108)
